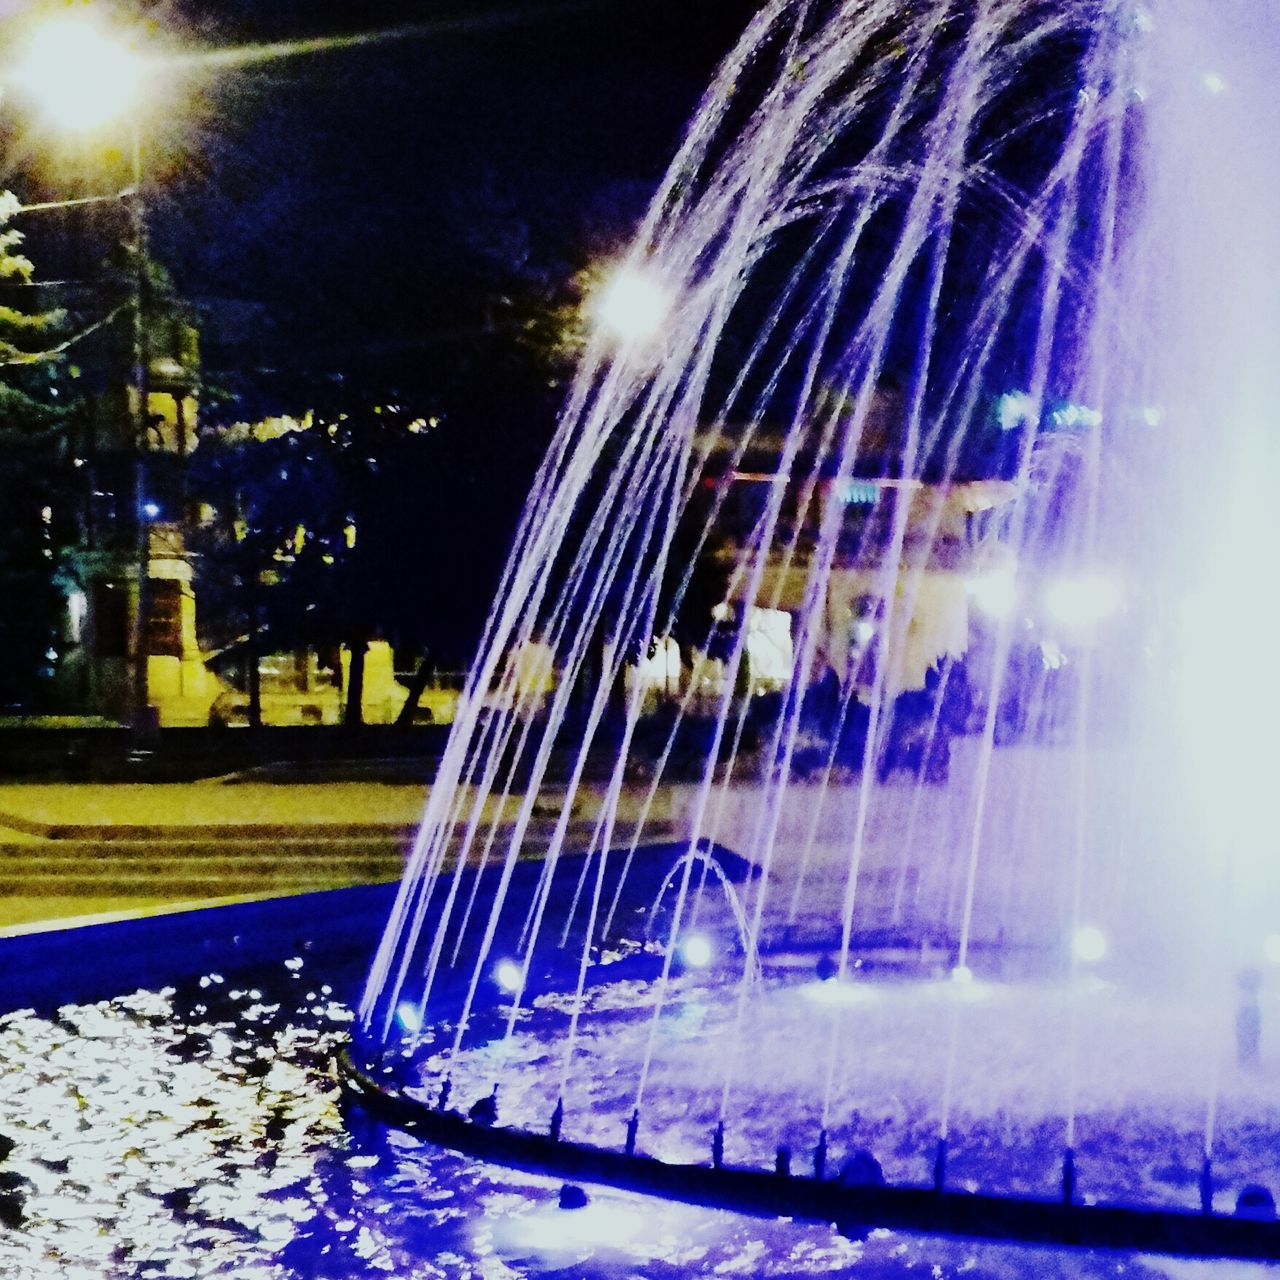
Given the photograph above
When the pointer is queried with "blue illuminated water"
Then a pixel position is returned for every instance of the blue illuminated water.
(195, 1130)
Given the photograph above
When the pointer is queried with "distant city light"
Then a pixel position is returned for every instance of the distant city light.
(1077, 415)
(1015, 409)
(995, 594)
(1083, 600)
(859, 493)
(632, 307)
(1089, 943)
(507, 975)
(81, 75)
(696, 951)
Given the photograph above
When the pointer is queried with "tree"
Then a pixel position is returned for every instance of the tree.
(309, 545)
(36, 480)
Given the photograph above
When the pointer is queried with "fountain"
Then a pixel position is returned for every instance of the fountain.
(956, 324)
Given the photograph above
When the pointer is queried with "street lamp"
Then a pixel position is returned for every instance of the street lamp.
(632, 306)
(85, 77)
(80, 73)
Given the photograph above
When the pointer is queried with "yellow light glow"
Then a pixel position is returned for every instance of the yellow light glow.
(632, 307)
(82, 76)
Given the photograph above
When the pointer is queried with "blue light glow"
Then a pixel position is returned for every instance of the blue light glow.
(696, 951)
(507, 975)
(1089, 943)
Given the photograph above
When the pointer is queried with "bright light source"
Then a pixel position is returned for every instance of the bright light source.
(407, 1016)
(632, 307)
(1089, 943)
(863, 631)
(151, 509)
(1214, 83)
(962, 974)
(696, 951)
(1084, 600)
(82, 75)
(1271, 947)
(507, 975)
(995, 594)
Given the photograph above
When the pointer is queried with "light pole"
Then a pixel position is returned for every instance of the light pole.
(86, 77)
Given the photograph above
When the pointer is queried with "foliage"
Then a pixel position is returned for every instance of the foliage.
(307, 539)
(36, 482)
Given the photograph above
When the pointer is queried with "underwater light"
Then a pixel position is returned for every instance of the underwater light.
(696, 951)
(962, 974)
(1089, 943)
(506, 974)
(407, 1016)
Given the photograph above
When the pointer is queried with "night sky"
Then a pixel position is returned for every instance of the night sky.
(370, 190)
(382, 188)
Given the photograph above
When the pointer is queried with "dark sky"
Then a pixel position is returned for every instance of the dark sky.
(357, 181)
(348, 187)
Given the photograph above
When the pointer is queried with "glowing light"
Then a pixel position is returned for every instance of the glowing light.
(150, 509)
(596, 1225)
(696, 951)
(1153, 415)
(1089, 943)
(82, 75)
(77, 611)
(863, 631)
(1213, 83)
(1083, 601)
(407, 1016)
(632, 307)
(962, 974)
(507, 975)
(1271, 947)
(996, 594)
(859, 493)
(1015, 409)
(1077, 415)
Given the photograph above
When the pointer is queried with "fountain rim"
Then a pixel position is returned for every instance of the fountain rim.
(854, 1210)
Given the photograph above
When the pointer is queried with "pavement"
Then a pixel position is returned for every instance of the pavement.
(73, 852)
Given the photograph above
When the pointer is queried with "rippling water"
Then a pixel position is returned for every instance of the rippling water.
(197, 1132)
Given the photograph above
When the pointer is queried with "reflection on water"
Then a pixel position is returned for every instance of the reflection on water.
(197, 1132)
